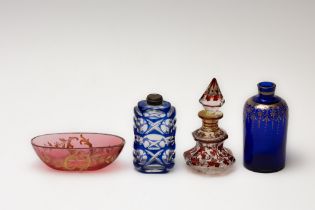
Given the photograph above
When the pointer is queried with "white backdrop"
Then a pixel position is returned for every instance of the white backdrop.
(82, 66)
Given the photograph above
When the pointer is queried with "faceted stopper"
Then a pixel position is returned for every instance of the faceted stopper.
(212, 97)
(154, 99)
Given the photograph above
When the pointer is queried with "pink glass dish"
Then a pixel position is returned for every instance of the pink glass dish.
(78, 151)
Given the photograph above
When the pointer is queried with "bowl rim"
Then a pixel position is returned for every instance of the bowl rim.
(76, 148)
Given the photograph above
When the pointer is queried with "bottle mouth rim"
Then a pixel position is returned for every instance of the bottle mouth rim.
(266, 88)
(266, 85)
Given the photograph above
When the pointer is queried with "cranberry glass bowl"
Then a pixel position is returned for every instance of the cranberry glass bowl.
(78, 151)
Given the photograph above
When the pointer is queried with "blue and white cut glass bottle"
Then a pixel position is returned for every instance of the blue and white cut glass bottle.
(154, 129)
(265, 130)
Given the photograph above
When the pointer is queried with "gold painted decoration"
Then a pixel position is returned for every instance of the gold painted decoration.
(75, 152)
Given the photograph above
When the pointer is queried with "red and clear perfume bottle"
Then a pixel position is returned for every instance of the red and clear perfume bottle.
(209, 155)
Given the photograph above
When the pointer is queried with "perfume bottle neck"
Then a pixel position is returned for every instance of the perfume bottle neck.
(264, 95)
(210, 132)
(209, 125)
(266, 90)
(210, 120)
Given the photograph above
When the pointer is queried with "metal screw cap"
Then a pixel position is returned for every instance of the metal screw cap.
(154, 99)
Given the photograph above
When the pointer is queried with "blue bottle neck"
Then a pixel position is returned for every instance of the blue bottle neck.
(266, 98)
(266, 93)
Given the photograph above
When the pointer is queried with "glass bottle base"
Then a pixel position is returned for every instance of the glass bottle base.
(153, 169)
(262, 170)
(212, 171)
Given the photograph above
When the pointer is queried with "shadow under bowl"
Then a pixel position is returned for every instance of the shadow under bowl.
(77, 151)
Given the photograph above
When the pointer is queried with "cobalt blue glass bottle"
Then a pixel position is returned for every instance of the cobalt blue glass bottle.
(154, 129)
(265, 130)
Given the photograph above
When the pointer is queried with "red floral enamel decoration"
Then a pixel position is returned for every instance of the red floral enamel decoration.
(209, 155)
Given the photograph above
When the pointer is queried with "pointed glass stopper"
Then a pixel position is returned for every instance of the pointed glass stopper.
(212, 98)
